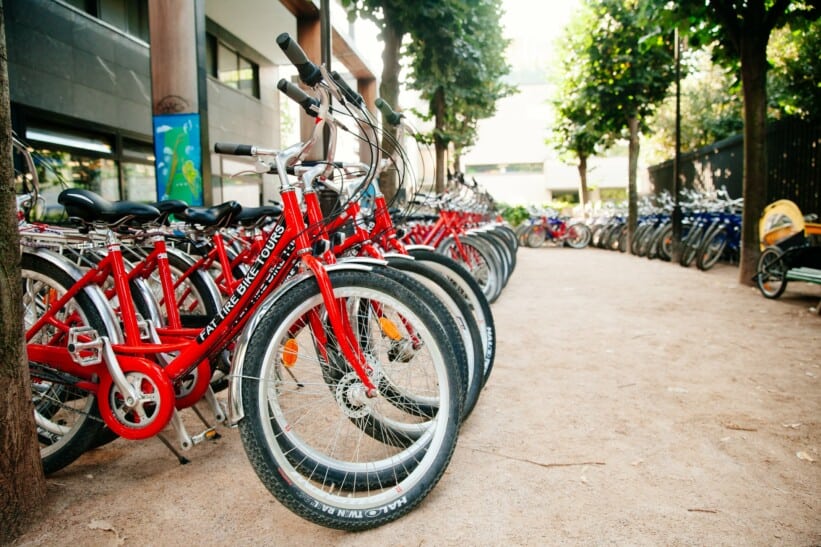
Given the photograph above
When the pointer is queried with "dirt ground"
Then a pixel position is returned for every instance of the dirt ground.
(632, 402)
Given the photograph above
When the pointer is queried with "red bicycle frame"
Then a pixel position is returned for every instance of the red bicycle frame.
(288, 244)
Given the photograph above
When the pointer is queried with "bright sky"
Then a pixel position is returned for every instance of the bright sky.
(534, 27)
(518, 130)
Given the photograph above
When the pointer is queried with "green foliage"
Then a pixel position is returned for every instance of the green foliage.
(795, 71)
(617, 62)
(563, 201)
(576, 132)
(456, 53)
(457, 57)
(398, 14)
(630, 62)
(514, 214)
(725, 23)
(711, 100)
(613, 194)
(710, 108)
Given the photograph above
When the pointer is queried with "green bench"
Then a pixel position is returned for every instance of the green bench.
(810, 275)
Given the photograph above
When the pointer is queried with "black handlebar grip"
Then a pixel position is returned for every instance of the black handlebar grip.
(308, 104)
(308, 72)
(390, 116)
(233, 149)
(349, 93)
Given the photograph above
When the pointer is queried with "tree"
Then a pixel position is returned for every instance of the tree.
(457, 63)
(455, 51)
(742, 31)
(22, 485)
(393, 18)
(576, 129)
(631, 68)
(711, 103)
(795, 70)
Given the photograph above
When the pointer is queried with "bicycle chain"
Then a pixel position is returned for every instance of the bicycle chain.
(48, 374)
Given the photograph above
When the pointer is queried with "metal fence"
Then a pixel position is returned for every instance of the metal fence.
(793, 162)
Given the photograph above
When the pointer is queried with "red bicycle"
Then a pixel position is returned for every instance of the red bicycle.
(320, 326)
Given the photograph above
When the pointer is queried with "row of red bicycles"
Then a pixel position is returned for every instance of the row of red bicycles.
(351, 349)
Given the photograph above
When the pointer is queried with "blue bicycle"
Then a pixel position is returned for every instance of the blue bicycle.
(722, 239)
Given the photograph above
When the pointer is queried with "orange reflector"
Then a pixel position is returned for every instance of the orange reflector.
(289, 352)
(389, 328)
(51, 297)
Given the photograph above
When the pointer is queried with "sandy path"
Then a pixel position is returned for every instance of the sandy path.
(632, 403)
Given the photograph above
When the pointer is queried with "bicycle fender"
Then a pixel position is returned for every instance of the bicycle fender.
(213, 290)
(410, 248)
(235, 375)
(397, 256)
(92, 291)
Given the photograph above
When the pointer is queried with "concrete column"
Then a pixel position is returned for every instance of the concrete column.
(178, 145)
(309, 38)
(367, 88)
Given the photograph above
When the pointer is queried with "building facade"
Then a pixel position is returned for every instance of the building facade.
(81, 93)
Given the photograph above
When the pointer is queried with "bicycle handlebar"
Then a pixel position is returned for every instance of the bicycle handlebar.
(346, 90)
(390, 115)
(308, 104)
(308, 72)
(232, 149)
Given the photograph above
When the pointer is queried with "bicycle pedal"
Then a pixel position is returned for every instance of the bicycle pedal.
(88, 352)
(209, 434)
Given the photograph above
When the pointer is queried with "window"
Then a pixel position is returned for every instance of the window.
(139, 181)
(231, 68)
(66, 156)
(59, 169)
(130, 16)
(499, 168)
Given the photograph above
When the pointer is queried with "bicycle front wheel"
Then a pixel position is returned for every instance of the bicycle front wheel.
(479, 259)
(711, 249)
(323, 448)
(771, 277)
(578, 236)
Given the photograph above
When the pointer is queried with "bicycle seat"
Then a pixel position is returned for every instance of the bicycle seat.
(250, 216)
(170, 207)
(219, 215)
(90, 207)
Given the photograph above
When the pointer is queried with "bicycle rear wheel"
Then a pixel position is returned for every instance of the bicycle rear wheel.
(690, 246)
(534, 236)
(68, 419)
(306, 423)
(457, 318)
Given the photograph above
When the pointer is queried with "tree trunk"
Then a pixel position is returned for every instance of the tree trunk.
(632, 167)
(22, 485)
(754, 82)
(439, 117)
(389, 91)
(584, 194)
